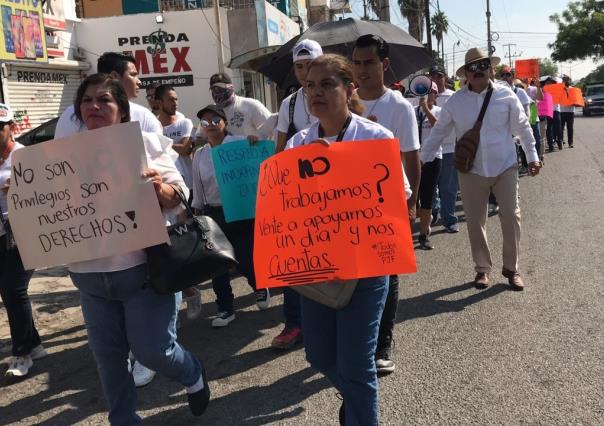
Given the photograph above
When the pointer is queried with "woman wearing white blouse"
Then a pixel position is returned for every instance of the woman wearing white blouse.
(121, 312)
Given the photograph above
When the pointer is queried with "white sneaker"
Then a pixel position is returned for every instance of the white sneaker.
(223, 319)
(142, 375)
(38, 353)
(193, 305)
(263, 299)
(19, 366)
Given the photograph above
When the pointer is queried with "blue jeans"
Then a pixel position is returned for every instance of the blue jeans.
(122, 314)
(291, 308)
(447, 189)
(341, 345)
(14, 280)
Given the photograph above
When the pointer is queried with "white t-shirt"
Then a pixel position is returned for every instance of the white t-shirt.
(359, 129)
(5, 172)
(397, 115)
(205, 186)
(302, 117)
(182, 128)
(158, 150)
(69, 124)
(427, 127)
(245, 116)
(448, 146)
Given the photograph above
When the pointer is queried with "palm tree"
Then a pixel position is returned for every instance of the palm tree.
(413, 11)
(440, 27)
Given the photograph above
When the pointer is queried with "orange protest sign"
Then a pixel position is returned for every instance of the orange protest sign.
(575, 97)
(558, 92)
(327, 213)
(527, 68)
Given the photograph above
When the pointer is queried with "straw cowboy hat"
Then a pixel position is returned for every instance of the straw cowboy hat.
(474, 55)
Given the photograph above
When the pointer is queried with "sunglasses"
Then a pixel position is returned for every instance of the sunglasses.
(214, 121)
(478, 66)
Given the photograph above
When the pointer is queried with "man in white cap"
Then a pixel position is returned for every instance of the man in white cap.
(293, 117)
(495, 166)
(293, 113)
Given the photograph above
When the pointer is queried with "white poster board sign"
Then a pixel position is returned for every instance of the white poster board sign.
(83, 197)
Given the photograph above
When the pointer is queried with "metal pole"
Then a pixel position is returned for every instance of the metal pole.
(453, 70)
(490, 46)
(219, 37)
(428, 33)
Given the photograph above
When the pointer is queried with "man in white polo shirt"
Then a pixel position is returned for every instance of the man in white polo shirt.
(388, 108)
(495, 166)
(123, 68)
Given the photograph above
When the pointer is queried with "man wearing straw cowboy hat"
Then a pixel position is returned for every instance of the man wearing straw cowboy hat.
(494, 166)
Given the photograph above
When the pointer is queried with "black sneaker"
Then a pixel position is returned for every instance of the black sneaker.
(424, 242)
(198, 401)
(383, 363)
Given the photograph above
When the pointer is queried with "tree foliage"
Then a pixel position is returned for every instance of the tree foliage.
(440, 27)
(413, 12)
(580, 31)
(596, 76)
(547, 67)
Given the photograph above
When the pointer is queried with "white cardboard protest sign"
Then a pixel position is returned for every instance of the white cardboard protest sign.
(83, 197)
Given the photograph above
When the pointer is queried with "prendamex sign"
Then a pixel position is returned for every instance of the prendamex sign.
(160, 57)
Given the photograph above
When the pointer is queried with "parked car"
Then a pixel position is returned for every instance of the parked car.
(594, 99)
(44, 132)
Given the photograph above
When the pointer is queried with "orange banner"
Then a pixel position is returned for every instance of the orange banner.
(558, 92)
(327, 213)
(575, 97)
(527, 68)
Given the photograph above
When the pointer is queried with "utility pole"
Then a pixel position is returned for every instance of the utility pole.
(510, 55)
(454, 44)
(365, 17)
(490, 45)
(219, 37)
(428, 32)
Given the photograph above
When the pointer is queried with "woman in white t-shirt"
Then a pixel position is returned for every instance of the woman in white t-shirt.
(14, 279)
(206, 200)
(427, 113)
(341, 343)
(120, 310)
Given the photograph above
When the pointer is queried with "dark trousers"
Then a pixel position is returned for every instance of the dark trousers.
(537, 136)
(553, 131)
(291, 308)
(568, 119)
(14, 280)
(241, 236)
(388, 316)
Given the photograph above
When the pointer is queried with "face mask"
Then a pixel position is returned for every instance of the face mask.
(223, 97)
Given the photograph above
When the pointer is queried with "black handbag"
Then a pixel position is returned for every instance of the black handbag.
(199, 251)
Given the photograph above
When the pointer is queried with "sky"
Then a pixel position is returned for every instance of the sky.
(467, 24)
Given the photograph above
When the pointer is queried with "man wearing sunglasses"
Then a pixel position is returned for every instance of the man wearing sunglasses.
(246, 116)
(495, 166)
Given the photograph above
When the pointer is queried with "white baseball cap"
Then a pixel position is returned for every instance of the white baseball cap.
(6, 113)
(307, 49)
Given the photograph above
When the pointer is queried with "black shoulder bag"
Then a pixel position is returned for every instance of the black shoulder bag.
(291, 129)
(8, 239)
(198, 251)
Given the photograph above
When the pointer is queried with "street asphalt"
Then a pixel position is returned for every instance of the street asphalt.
(463, 356)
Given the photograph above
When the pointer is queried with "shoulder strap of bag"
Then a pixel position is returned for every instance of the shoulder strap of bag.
(420, 122)
(292, 106)
(485, 104)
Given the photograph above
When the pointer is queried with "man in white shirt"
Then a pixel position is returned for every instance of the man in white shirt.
(245, 116)
(447, 180)
(507, 79)
(387, 107)
(123, 68)
(179, 129)
(495, 164)
(293, 117)
(293, 113)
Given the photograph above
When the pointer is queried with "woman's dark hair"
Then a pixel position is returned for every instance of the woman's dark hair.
(337, 63)
(114, 86)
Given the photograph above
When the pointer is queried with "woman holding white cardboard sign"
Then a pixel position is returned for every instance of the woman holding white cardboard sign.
(206, 199)
(121, 312)
(14, 279)
(341, 343)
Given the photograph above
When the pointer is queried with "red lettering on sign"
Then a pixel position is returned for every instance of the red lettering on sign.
(140, 58)
(180, 55)
(159, 62)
